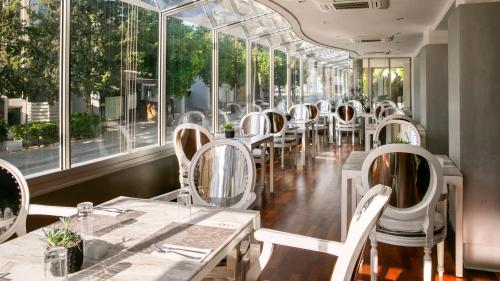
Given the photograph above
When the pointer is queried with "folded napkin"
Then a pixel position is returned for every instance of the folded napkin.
(192, 253)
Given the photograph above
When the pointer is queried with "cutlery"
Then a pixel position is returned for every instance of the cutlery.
(163, 250)
(110, 209)
(3, 274)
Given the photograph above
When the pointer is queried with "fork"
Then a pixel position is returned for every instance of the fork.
(169, 250)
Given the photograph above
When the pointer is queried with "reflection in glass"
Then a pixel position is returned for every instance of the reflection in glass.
(399, 133)
(408, 175)
(295, 82)
(221, 176)
(190, 140)
(260, 76)
(280, 80)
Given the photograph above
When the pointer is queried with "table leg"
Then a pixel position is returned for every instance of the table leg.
(343, 211)
(367, 141)
(263, 165)
(303, 150)
(354, 194)
(271, 167)
(330, 128)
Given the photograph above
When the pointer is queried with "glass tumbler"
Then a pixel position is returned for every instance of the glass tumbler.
(56, 264)
(85, 220)
(184, 204)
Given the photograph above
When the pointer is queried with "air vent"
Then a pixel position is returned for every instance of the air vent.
(338, 5)
(378, 53)
(378, 39)
(351, 5)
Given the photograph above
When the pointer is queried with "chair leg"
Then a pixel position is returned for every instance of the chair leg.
(353, 137)
(440, 252)
(373, 259)
(282, 158)
(427, 264)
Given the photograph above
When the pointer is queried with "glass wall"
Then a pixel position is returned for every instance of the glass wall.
(280, 94)
(384, 79)
(314, 81)
(260, 76)
(188, 76)
(29, 85)
(113, 79)
(295, 82)
(232, 92)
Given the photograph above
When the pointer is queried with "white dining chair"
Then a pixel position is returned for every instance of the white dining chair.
(413, 218)
(388, 111)
(195, 117)
(378, 108)
(15, 203)
(345, 119)
(187, 139)
(398, 117)
(284, 137)
(318, 124)
(349, 254)
(396, 130)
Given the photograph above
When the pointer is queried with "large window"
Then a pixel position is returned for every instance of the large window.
(232, 92)
(188, 74)
(315, 81)
(280, 94)
(113, 79)
(260, 76)
(29, 119)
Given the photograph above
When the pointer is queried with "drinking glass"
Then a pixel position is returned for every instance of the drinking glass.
(85, 219)
(55, 264)
(184, 204)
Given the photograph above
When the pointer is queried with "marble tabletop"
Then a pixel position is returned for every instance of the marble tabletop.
(22, 257)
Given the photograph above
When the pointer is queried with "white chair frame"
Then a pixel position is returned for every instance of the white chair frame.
(186, 115)
(424, 209)
(388, 111)
(181, 156)
(376, 136)
(249, 195)
(364, 219)
(19, 225)
(282, 134)
(347, 125)
(397, 117)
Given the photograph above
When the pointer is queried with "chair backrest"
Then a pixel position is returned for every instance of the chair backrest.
(188, 138)
(378, 108)
(255, 123)
(195, 117)
(222, 173)
(299, 112)
(365, 217)
(14, 201)
(281, 106)
(388, 111)
(386, 102)
(234, 111)
(396, 131)
(313, 111)
(324, 106)
(278, 122)
(414, 174)
(397, 117)
(345, 114)
(357, 105)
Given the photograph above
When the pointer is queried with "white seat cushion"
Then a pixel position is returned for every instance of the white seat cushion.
(393, 226)
(257, 151)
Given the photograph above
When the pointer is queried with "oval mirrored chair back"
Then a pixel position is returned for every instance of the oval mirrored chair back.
(221, 176)
(399, 133)
(255, 124)
(346, 112)
(407, 174)
(10, 199)
(191, 140)
(277, 122)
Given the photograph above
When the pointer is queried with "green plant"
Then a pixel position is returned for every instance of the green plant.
(62, 237)
(36, 133)
(400, 140)
(85, 126)
(4, 130)
(228, 127)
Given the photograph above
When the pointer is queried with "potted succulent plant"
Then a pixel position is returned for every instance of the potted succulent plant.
(72, 241)
(229, 130)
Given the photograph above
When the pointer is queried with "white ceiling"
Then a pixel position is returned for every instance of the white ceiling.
(337, 28)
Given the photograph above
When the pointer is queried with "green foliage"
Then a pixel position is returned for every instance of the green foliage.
(232, 61)
(279, 70)
(39, 133)
(228, 127)
(85, 126)
(4, 130)
(261, 71)
(62, 237)
(400, 140)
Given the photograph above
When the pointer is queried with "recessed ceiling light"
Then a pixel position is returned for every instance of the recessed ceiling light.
(324, 22)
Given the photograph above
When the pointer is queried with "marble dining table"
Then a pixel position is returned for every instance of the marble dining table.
(130, 236)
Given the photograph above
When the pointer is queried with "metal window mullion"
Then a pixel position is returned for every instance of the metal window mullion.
(301, 78)
(250, 98)
(271, 77)
(215, 80)
(64, 80)
(162, 75)
(288, 81)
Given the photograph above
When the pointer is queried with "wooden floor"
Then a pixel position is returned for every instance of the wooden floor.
(307, 202)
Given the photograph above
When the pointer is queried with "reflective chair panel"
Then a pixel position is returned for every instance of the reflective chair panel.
(397, 131)
(190, 140)
(255, 123)
(277, 121)
(223, 175)
(324, 106)
(313, 111)
(299, 112)
(408, 175)
(194, 117)
(10, 200)
(345, 113)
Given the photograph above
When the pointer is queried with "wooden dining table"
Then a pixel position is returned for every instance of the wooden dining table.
(130, 237)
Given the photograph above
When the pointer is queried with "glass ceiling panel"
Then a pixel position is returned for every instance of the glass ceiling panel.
(196, 16)
(224, 12)
(265, 25)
